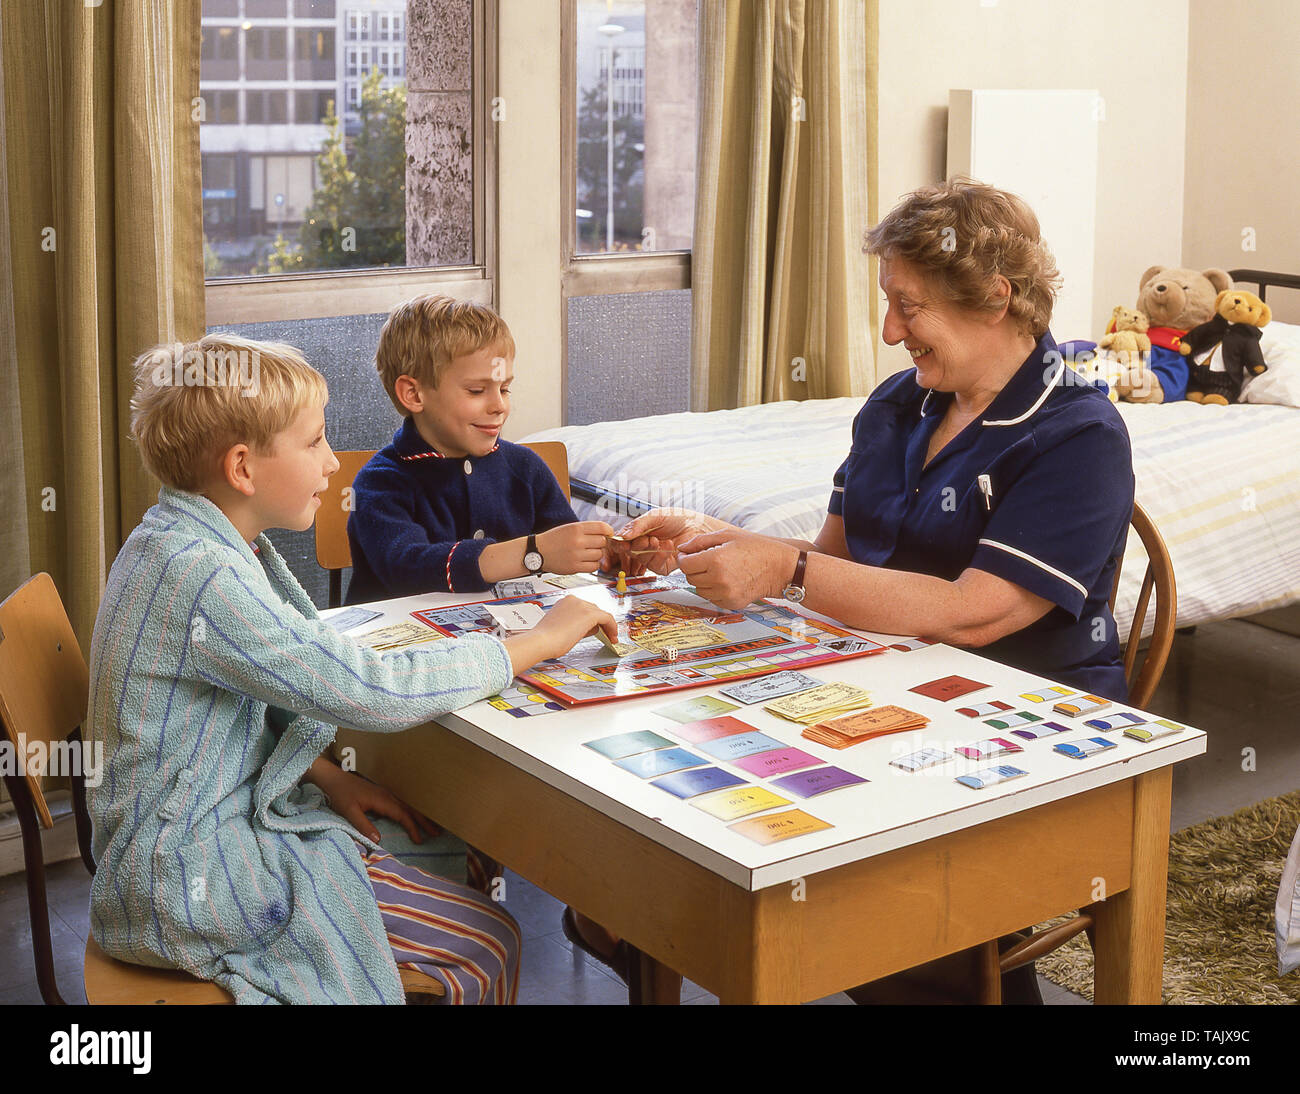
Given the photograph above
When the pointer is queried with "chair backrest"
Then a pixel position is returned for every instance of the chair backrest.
(44, 682)
(1159, 577)
(333, 552)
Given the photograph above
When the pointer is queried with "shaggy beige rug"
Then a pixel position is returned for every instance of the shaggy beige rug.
(1219, 931)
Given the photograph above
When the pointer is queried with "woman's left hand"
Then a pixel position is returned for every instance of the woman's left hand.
(352, 797)
(733, 569)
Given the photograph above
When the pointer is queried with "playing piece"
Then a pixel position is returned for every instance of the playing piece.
(948, 687)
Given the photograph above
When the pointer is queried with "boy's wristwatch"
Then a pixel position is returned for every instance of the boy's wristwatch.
(794, 592)
(532, 557)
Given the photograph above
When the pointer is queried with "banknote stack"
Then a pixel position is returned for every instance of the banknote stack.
(820, 703)
(864, 725)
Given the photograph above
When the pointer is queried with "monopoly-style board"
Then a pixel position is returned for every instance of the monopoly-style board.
(669, 639)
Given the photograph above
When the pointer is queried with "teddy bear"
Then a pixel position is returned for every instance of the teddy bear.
(1174, 299)
(1121, 349)
(1224, 352)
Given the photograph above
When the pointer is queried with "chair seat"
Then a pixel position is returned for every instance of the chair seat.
(109, 981)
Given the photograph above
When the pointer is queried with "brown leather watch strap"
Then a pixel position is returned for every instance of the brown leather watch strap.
(800, 568)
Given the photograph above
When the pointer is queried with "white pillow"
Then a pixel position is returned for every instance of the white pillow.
(1280, 344)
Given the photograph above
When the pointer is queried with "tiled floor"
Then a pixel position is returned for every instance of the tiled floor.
(1238, 681)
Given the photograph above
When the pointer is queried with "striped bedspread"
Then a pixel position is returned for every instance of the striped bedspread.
(1221, 483)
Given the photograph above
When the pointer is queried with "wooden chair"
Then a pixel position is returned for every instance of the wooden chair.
(333, 552)
(1159, 577)
(44, 689)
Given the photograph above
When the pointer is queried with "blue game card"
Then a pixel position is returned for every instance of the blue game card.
(1043, 729)
(686, 784)
(806, 784)
(1081, 750)
(649, 764)
(990, 776)
(628, 744)
(737, 745)
(352, 617)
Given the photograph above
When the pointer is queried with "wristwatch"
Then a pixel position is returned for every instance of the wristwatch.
(532, 557)
(794, 592)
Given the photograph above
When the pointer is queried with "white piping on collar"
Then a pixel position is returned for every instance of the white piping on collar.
(1047, 390)
(926, 401)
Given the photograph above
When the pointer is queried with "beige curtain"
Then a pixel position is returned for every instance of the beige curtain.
(103, 217)
(782, 298)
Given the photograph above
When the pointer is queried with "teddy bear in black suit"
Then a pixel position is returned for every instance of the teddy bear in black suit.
(1224, 353)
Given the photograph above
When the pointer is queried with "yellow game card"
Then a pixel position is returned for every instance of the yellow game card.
(817, 703)
(779, 826)
(727, 805)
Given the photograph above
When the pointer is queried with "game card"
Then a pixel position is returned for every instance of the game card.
(990, 776)
(1048, 695)
(769, 687)
(687, 784)
(683, 636)
(397, 636)
(948, 687)
(517, 587)
(980, 710)
(1153, 731)
(823, 701)
(523, 616)
(778, 762)
(807, 784)
(1114, 723)
(710, 729)
(919, 761)
(628, 744)
(779, 826)
(693, 710)
(727, 805)
(1085, 704)
(1081, 750)
(735, 745)
(572, 581)
(352, 617)
(985, 750)
(876, 722)
(1009, 721)
(647, 765)
(1042, 729)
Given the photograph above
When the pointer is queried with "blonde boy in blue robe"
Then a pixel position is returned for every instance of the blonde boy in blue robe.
(227, 844)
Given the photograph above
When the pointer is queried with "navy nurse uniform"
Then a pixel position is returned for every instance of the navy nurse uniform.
(1039, 491)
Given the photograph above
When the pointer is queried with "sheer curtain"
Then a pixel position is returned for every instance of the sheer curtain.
(783, 305)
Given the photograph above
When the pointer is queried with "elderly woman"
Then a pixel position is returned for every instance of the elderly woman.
(988, 490)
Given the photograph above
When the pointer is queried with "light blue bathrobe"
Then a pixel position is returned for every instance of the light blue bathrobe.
(213, 688)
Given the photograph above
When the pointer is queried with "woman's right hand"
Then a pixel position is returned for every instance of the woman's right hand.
(562, 627)
(660, 531)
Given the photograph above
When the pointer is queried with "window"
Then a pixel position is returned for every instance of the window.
(634, 121)
(311, 107)
(221, 107)
(358, 60)
(266, 107)
(383, 24)
(358, 25)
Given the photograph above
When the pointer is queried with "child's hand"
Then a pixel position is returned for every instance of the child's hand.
(574, 548)
(352, 797)
(562, 628)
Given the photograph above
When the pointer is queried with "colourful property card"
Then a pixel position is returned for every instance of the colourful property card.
(919, 761)
(769, 687)
(990, 776)
(807, 784)
(686, 784)
(628, 744)
(647, 765)
(764, 764)
(735, 745)
(1042, 729)
(1084, 704)
(948, 687)
(1048, 695)
(712, 728)
(1081, 750)
(981, 710)
(779, 826)
(693, 710)
(728, 805)
(1009, 721)
(985, 750)
(1114, 723)
(1153, 731)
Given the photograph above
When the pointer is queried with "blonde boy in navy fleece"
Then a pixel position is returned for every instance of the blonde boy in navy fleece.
(227, 845)
(449, 506)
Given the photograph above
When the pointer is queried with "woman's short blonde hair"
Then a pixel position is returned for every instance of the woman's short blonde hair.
(194, 401)
(961, 234)
(424, 335)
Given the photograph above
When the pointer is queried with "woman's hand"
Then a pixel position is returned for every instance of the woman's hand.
(562, 627)
(660, 532)
(734, 568)
(352, 797)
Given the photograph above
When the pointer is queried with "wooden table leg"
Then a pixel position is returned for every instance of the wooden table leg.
(1129, 938)
(763, 938)
(651, 983)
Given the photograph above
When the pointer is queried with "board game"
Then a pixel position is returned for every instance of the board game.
(669, 638)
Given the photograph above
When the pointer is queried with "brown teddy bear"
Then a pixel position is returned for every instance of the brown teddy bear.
(1174, 300)
(1224, 353)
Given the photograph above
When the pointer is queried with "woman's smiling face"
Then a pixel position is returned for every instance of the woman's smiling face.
(943, 339)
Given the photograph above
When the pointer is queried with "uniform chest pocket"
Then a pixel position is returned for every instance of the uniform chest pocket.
(951, 516)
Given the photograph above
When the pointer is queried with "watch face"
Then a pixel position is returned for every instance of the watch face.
(533, 560)
(794, 593)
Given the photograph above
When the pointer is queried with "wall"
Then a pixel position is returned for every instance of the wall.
(1133, 53)
(1243, 142)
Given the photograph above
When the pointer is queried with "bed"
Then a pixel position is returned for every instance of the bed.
(1221, 483)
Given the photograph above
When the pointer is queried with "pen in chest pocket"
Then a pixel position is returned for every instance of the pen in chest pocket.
(986, 488)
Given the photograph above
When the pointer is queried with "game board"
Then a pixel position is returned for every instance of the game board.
(676, 640)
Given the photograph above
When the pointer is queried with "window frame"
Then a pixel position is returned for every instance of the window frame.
(330, 293)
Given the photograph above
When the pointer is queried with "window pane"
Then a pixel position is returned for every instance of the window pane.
(636, 124)
(329, 164)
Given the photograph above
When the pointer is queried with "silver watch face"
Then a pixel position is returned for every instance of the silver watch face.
(533, 561)
(794, 594)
